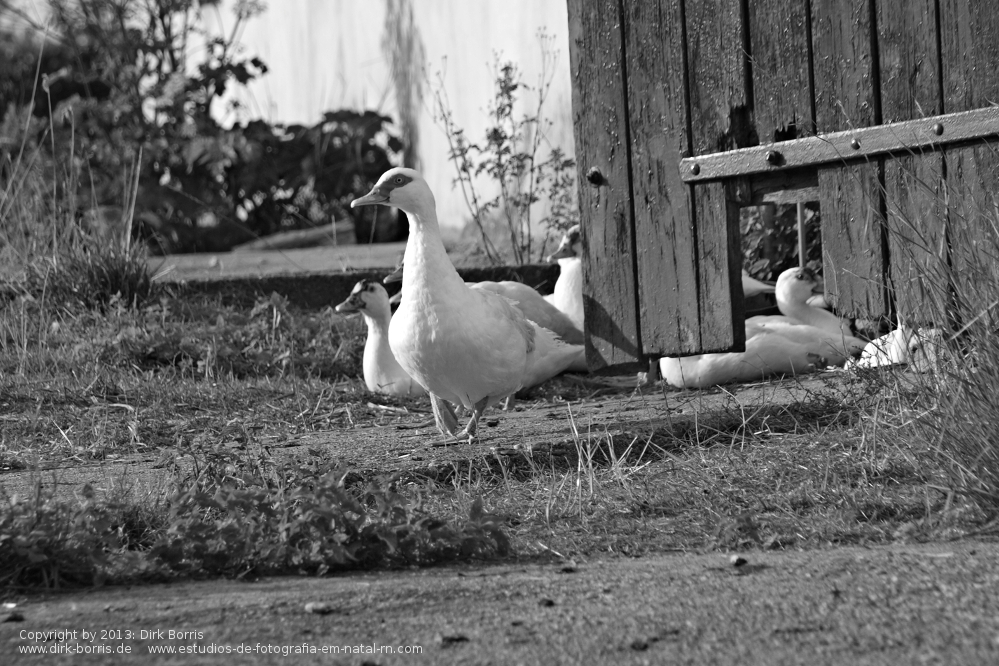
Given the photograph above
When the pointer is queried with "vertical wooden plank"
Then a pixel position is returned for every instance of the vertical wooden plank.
(721, 119)
(600, 128)
(689, 286)
(666, 247)
(846, 95)
(684, 263)
(970, 64)
(782, 86)
(910, 88)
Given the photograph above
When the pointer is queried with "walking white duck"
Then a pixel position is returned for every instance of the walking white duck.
(466, 346)
(382, 372)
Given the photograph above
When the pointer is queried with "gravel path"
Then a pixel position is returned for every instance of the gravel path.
(904, 604)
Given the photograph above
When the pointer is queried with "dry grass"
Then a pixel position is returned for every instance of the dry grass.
(810, 476)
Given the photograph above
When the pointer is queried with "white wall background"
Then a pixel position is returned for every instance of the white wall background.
(327, 54)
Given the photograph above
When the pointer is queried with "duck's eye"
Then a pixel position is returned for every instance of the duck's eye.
(800, 276)
(398, 180)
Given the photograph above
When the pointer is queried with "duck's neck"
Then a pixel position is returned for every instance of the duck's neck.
(377, 325)
(380, 365)
(426, 248)
(570, 273)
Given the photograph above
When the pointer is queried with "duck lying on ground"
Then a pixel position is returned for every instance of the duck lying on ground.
(803, 339)
(794, 287)
(920, 349)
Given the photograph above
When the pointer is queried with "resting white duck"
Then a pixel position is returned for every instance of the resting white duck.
(775, 345)
(467, 346)
(794, 287)
(920, 349)
(568, 293)
(529, 301)
(382, 373)
(767, 353)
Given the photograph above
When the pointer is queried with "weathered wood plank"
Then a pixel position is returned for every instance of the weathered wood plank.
(846, 93)
(782, 86)
(853, 145)
(910, 89)
(970, 63)
(721, 120)
(600, 128)
(664, 228)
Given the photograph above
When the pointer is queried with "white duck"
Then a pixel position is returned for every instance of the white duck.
(782, 344)
(568, 293)
(794, 287)
(767, 353)
(382, 373)
(466, 346)
(920, 349)
(534, 306)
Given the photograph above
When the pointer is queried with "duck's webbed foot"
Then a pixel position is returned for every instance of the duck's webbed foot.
(473, 423)
(444, 415)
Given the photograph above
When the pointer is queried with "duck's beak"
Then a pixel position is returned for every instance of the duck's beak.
(394, 276)
(375, 196)
(351, 305)
(396, 299)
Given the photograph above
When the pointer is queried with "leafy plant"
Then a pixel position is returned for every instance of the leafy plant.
(770, 239)
(131, 95)
(512, 158)
(312, 527)
(45, 542)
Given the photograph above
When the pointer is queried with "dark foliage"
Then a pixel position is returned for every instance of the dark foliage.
(116, 88)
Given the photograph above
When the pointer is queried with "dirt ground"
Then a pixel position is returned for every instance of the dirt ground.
(614, 412)
(904, 604)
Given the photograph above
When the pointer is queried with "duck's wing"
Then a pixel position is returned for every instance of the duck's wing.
(508, 310)
(536, 309)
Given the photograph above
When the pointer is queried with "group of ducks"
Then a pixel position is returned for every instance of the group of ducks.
(466, 345)
(473, 345)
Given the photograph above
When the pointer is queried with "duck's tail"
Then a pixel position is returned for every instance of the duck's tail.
(551, 356)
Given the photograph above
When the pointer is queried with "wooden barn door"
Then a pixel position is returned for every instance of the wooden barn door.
(661, 258)
(876, 108)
